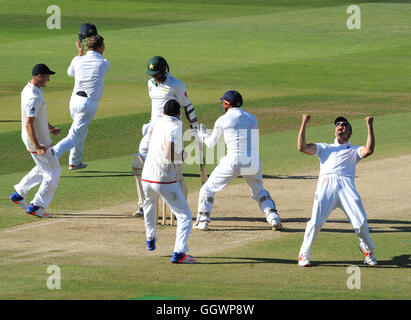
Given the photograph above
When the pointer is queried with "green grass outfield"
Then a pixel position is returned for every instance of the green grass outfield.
(285, 57)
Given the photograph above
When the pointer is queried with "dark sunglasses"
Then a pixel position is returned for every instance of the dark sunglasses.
(343, 123)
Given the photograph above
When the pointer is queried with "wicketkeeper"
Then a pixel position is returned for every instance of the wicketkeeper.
(238, 128)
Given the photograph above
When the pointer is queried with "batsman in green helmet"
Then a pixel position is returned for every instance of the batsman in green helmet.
(162, 87)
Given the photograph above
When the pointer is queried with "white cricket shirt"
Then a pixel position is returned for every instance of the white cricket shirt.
(89, 72)
(157, 168)
(171, 88)
(33, 105)
(240, 129)
(339, 159)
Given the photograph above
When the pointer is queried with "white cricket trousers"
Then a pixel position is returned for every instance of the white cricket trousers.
(173, 196)
(336, 191)
(82, 111)
(228, 169)
(47, 172)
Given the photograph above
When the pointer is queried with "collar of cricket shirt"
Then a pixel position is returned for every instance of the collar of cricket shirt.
(343, 144)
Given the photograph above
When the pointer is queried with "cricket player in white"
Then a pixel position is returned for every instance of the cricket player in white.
(336, 187)
(162, 87)
(240, 130)
(88, 71)
(159, 177)
(35, 133)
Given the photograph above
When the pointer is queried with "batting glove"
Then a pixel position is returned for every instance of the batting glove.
(202, 131)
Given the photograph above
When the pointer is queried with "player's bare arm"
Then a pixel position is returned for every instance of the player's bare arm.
(368, 149)
(308, 148)
(33, 137)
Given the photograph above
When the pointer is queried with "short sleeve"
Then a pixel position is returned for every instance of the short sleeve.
(70, 70)
(358, 156)
(320, 148)
(32, 107)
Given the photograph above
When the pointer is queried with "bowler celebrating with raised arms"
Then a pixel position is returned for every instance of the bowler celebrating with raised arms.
(336, 187)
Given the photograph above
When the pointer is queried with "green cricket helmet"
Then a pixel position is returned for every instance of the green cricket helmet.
(156, 65)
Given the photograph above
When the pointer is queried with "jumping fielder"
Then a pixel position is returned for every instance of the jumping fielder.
(162, 87)
(237, 126)
(336, 187)
(88, 71)
(35, 133)
(159, 177)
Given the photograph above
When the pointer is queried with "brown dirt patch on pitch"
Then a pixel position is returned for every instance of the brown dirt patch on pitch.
(384, 186)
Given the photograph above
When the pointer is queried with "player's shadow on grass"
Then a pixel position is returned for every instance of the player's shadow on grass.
(99, 174)
(402, 261)
(114, 174)
(285, 177)
(93, 215)
(394, 226)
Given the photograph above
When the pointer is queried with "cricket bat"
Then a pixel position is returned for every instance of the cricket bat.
(203, 170)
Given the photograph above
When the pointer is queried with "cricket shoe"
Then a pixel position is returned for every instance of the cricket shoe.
(203, 218)
(181, 257)
(37, 211)
(369, 255)
(274, 219)
(82, 165)
(138, 213)
(19, 200)
(151, 244)
(303, 262)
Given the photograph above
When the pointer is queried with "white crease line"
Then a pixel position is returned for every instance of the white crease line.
(247, 239)
(36, 225)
